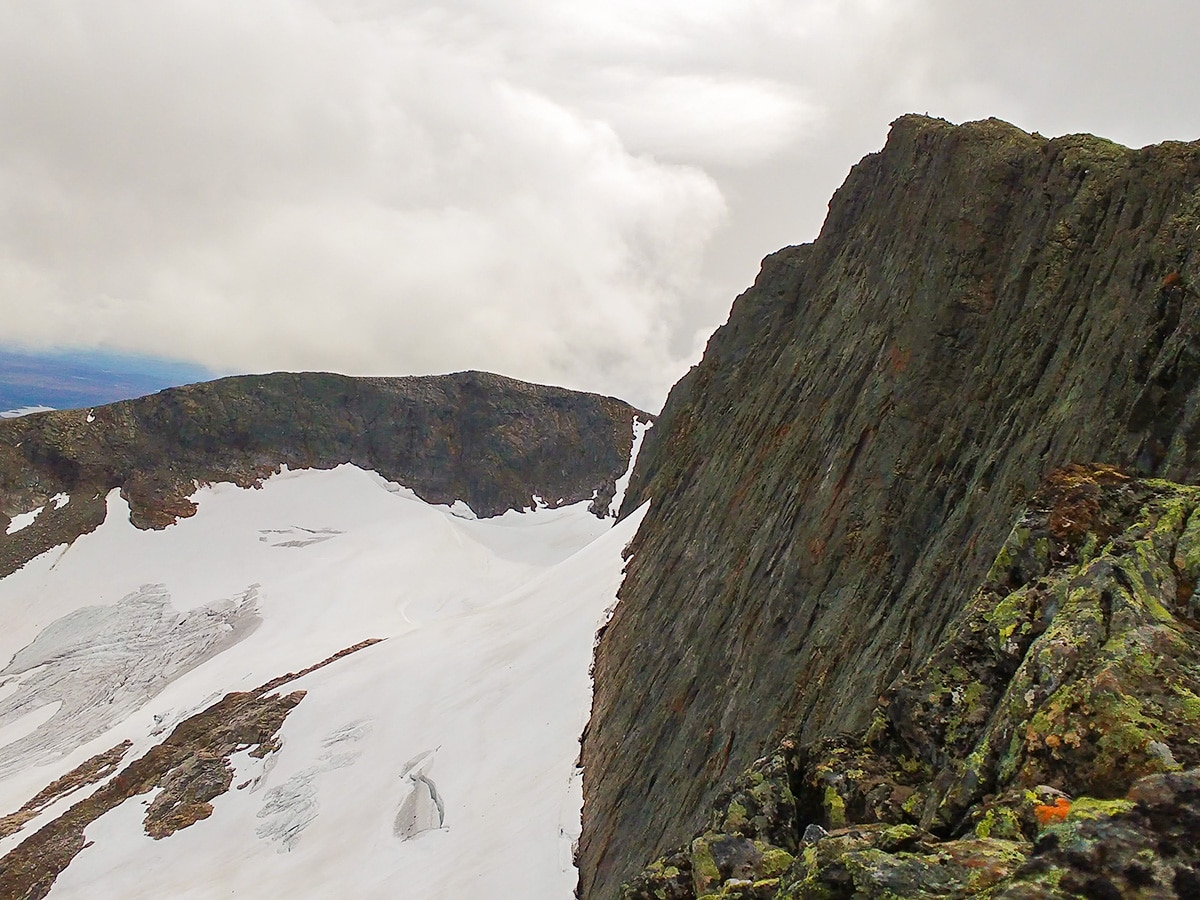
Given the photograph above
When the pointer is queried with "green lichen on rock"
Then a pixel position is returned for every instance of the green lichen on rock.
(832, 482)
(867, 862)
(760, 804)
(1058, 717)
(999, 822)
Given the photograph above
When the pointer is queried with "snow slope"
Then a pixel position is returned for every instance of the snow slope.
(23, 411)
(438, 763)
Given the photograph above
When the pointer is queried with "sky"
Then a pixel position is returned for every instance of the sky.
(32, 381)
(561, 191)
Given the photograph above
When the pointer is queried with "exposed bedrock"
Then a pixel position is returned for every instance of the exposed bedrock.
(491, 441)
(835, 478)
(1049, 748)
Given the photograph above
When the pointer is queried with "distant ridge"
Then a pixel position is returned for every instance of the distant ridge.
(490, 441)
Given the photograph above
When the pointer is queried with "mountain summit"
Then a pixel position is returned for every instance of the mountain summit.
(491, 442)
(835, 479)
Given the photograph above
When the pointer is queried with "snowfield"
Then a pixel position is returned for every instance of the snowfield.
(23, 411)
(437, 763)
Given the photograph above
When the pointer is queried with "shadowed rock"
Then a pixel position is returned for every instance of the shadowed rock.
(836, 476)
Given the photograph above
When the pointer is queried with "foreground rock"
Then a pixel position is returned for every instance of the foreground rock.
(1049, 748)
(835, 478)
(490, 441)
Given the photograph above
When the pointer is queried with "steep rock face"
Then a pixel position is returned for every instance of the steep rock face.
(1048, 748)
(491, 441)
(839, 472)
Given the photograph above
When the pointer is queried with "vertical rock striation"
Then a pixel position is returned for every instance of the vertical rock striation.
(836, 476)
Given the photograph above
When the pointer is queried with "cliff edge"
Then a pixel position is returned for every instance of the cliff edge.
(836, 477)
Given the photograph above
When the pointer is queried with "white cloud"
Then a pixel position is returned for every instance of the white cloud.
(559, 190)
(261, 186)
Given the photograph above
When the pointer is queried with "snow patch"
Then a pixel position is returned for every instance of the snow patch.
(489, 626)
(24, 411)
(23, 520)
(60, 500)
(639, 433)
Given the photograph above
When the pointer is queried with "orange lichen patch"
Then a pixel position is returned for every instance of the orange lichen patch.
(1047, 814)
(1172, 280)
(898, 359)
(1073, 493)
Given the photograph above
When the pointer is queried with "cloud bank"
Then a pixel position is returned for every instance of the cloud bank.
(560, 191)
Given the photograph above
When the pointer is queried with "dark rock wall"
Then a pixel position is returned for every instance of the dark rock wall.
(835, 477)
(491, 441)
(1048, 748)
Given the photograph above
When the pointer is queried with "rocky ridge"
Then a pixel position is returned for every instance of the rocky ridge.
(490, 441)
(837, 476)
(1050, 747)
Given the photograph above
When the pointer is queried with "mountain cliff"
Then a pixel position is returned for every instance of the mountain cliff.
(490, 441)
(837, 477)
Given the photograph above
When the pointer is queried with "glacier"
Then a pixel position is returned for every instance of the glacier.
(439, 762)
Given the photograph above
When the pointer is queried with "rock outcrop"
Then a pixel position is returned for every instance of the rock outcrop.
(837, 476)
(490, 441)
(1050, 747)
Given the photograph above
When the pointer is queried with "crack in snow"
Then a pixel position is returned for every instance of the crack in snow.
(291, 807)
(296, 536)
(100, 663)
(422, 809)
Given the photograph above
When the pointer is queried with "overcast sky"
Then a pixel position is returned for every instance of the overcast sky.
(568, 192)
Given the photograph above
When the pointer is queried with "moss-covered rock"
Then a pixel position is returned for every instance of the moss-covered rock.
(1049, 747)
